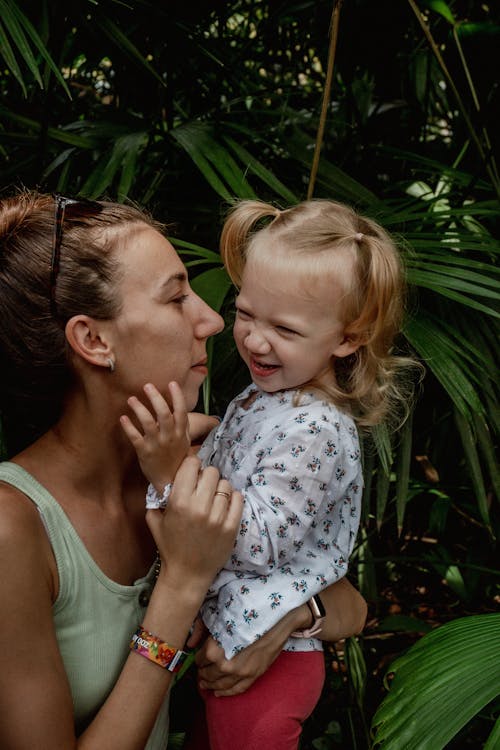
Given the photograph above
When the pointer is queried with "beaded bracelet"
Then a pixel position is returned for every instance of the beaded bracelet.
(153, 648)
(153, 498)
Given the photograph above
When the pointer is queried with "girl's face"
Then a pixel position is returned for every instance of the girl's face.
(161, 331)
(287, 333)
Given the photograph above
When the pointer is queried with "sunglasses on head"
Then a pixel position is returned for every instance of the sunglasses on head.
(62, 207)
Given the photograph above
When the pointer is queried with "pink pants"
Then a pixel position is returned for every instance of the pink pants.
(270, 714)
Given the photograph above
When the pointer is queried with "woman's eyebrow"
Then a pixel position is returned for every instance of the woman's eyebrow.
(175, 278)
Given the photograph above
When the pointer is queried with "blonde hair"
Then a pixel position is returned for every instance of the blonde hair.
(326, 239)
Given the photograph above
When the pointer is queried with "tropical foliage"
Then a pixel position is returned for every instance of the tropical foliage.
(182, 107)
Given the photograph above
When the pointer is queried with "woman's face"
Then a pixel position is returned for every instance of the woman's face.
(161, 331)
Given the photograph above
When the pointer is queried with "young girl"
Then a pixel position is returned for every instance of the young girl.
(319, 304)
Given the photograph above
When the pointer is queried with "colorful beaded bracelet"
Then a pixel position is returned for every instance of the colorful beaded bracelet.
(153, 648)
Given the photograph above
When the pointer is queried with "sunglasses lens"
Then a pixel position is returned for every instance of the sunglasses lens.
(71, 208)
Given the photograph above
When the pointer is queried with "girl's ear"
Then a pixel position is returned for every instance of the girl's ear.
(89, 340)
(348, 345)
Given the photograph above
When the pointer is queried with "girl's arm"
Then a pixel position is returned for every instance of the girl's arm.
(163, 440)
(345, 616)
(36, 708)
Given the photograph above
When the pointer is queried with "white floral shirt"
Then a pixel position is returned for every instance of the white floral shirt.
(299, 470)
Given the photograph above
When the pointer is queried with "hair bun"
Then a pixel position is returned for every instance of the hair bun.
(16, 211)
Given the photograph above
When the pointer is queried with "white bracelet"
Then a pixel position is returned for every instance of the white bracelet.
(153, 498)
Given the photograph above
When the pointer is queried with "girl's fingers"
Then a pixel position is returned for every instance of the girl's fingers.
(160, 407)
(130, 430)
(234, 512)
(178, 407)
(144, 416)
(186, 479)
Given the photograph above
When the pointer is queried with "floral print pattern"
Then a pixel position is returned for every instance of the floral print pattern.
(299, 469)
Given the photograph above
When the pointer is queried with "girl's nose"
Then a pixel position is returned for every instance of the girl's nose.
(256, 342)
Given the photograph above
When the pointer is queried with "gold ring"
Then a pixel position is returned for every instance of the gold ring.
(226, 494)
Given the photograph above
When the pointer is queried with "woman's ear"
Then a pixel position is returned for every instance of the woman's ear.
(89, 340)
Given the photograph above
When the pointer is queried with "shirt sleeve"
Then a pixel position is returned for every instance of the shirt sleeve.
(281, 500)
(300, 518)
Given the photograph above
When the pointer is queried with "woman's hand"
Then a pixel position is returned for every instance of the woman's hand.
(164, 441)
(196, 532)
(345, 616)
(234, 676)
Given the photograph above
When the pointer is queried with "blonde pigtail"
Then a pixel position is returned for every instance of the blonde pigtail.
(240, 224)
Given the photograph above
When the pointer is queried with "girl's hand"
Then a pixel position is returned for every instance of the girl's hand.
(195, 533)
(164, 441)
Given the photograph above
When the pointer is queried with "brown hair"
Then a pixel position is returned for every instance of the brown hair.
(321, 239)
(33, 351)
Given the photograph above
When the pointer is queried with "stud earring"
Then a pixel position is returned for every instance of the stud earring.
(111, 364)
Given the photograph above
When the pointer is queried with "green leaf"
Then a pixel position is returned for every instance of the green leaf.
(434, 347)
(403, 624)
(212, 286)
(357, 668)
(35, 38)
(11, 16)
(440, 684)
(493, 741)
(382, 440)
(184, 136)
(488, 450)
(383, 483)
(488, 28)
(123, 156)
(261, 171)
(339, 184)
(469, 445)
(403, 471)
(10, 59)
(439, 282)
(367, 583)
(188, 248)
(123, 42)
(439, 6)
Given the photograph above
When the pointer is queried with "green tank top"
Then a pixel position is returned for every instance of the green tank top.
(94, 616)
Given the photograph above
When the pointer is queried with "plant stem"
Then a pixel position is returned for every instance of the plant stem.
(334, 31)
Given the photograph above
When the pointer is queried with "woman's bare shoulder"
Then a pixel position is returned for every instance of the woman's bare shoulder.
(20, 521)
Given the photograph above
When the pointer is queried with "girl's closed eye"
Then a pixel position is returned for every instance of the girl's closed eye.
(287, 331)
(243, 314)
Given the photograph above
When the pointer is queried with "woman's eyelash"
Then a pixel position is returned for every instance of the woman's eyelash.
(180, 300)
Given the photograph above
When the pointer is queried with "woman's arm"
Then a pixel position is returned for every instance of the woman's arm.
(31, 670)
(345, 616)
(346, 611)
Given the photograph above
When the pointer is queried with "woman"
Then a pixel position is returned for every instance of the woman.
(94, 303)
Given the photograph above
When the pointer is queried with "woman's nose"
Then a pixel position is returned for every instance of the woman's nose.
(208, 322)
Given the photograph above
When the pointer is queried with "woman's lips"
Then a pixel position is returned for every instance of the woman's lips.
(201, 367)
